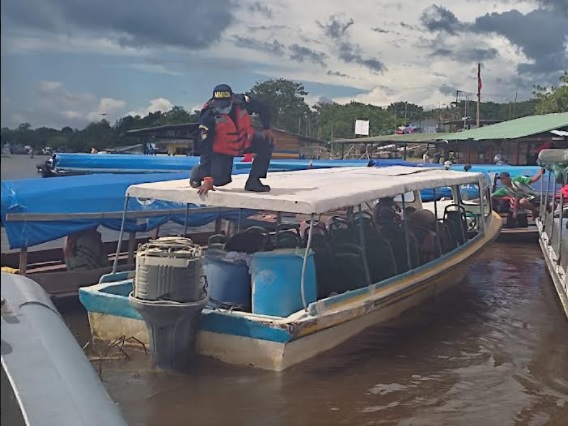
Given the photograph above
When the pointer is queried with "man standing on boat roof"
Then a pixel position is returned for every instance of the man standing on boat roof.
(225, 132)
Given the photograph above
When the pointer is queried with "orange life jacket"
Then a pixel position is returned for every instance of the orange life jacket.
(231, 137)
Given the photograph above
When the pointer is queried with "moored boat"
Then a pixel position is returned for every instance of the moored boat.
(318, 285)
(553, 222)
(46, 377)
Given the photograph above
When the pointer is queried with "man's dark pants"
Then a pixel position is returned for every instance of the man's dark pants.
(222, 165)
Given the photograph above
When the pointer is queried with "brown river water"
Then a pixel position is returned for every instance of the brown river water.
(491, 351)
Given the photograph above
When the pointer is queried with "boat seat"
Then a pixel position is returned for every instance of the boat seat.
(378, 251)
(455, 218)
(350, 268)
(395, 236)
(341, 232)
(253, 240)
(217, 241)
(287, 236)
(447, 243)
(287, 239)
(326, 265)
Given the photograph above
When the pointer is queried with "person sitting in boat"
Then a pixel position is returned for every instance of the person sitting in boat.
(225, 132)
(519, 191)
(387, 212)
(422, 224)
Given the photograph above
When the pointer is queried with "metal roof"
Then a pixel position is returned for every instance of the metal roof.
(513, 129)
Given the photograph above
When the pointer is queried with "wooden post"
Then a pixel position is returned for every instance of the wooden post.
(155, 233)
(23, 266)
(517, 153)
(131, 247)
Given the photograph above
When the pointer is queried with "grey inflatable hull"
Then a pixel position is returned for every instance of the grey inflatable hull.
(46, 377)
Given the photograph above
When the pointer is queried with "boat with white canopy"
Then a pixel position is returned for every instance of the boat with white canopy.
(353, 247)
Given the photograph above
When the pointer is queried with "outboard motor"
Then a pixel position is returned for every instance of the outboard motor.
(169, 293)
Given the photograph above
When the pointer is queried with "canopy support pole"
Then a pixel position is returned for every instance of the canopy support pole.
(560, 230)
(185, 220)
(23, 264)
(362, 238)
(546, 197)
(120, 236)
(438, 241)
(406, 239)
(305, 262)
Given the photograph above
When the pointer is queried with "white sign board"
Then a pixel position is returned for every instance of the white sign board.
(362, 127)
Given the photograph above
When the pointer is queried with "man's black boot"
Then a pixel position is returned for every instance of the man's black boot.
(194, 180)
(254, 185)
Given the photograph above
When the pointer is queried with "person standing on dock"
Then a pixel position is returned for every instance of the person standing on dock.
(225, 132)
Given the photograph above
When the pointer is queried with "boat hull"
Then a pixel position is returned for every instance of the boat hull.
(557, 272)
(279, 343)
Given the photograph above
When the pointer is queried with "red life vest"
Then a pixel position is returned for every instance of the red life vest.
(231, 138)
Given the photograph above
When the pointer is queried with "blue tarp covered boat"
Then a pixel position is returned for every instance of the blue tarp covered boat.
(101, 193)
(129, 163)
(105, 192)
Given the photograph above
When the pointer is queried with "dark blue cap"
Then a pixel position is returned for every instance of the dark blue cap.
(222, 95)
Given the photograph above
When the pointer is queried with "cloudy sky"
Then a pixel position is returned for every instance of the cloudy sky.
(67, 62)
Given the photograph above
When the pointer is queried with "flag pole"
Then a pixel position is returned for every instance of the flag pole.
(479, 85)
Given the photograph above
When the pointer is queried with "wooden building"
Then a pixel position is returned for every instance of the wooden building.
(182, 139)
(519, 141)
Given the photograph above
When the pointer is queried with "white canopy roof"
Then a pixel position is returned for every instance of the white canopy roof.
(310, 191)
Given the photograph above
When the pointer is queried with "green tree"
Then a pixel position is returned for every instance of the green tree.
(337, 121)
(406, 109)
(286, 100)
(554, 99)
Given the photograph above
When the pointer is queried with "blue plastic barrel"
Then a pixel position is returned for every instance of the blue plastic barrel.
(228, 281)
(276, 281)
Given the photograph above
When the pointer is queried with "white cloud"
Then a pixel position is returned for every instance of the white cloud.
(55, 106)
(107, 107)
(154, 69)
(49, 86)
(157, 104)
(398, 41)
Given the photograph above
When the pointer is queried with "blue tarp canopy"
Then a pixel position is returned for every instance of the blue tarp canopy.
(86, 194)
(132, 163)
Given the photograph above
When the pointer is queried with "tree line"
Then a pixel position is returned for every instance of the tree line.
(326, 120)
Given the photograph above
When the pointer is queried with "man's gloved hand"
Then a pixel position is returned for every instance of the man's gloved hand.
(206, 186)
